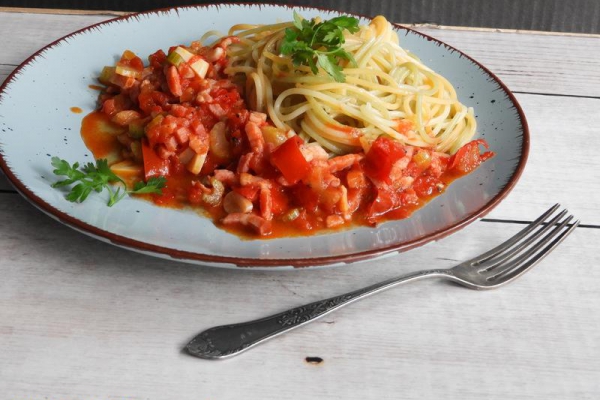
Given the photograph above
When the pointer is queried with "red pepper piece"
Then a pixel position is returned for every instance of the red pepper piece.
(289, 160)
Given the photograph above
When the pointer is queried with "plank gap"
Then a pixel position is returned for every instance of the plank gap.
(558, 95)
(521, 222)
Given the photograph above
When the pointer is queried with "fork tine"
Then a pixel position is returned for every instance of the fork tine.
(511, 252)
(507, 266)
(503, 246)
(530, 258)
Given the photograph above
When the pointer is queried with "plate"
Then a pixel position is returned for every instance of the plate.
(36, 123)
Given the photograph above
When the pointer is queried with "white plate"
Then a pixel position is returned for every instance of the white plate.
(36, 123)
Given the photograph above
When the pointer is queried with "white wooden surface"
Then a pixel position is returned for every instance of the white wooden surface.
(80, 319)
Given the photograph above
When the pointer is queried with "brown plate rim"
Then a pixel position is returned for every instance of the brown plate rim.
(187, 256)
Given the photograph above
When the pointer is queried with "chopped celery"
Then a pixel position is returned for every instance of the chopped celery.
(200, 67)
(106, 75)
(185, 54)
(175, 59)
(128, 55)
(219, 145)
(136, 129)
(196, 163)
(274, 135)
(291, 215)
(126, 169)
(179, 55)
(136, 149)
(155, 121)
(186, 155)
(128, 72)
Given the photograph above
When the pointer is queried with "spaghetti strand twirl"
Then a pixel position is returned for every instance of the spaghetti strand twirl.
(386, 87)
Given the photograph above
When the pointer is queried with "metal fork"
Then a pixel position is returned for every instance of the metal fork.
(490, 270)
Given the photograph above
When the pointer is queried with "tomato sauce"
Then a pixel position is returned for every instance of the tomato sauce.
(187, 121)
(100, 136)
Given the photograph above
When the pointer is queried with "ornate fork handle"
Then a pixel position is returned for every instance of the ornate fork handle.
(228, 340)
(494, 268)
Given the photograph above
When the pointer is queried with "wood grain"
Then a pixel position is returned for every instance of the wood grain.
(81, 319)
(533, 63)
(117, 322)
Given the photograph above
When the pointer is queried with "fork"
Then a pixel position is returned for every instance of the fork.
(490, 270)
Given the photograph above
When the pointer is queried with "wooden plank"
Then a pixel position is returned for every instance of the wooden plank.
(525, 62)
(117, 321)
(563, 166)
(36, 31)
(532, 63)
(60, 11)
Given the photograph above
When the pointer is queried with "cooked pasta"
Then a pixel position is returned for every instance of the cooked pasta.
(387, 91)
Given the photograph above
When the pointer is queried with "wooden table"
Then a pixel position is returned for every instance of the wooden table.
(81, 319)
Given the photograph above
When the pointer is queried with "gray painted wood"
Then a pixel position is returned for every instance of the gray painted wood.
(83, 319)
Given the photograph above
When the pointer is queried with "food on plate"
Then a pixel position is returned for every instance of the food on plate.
(286, 129)
(97, 178)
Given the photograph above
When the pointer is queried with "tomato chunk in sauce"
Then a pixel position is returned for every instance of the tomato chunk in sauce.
(181, 117)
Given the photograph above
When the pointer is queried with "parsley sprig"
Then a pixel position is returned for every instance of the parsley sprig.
(319, 44)
(98, 177)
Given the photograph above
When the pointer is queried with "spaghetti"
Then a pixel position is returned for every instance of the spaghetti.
(387, 91)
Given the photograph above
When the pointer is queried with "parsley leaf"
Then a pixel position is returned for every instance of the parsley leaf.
(97, 178)
(154, 185)
(319, 45)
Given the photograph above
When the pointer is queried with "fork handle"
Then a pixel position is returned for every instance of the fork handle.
(228, 340)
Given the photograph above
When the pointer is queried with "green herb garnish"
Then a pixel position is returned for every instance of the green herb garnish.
(319, 44)
(98, 177)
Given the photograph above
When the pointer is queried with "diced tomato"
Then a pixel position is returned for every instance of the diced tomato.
(157, 59)
(305, 197)
(426, 186)
(407, 198)
(279, 201)
(249, 192)
(226, 97)
(289, 160)
(468, 157)
(195, 195)
(108, 107)
(124, 82)
(152, 102)
(178, 110)
(169, 112)
(129, 59)
(188, 95)
(153, 164)
(136, 63)
(210, 164)
(382, 155)
(237, 119)
(302, 222)
(116, 104)
(383, 203)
